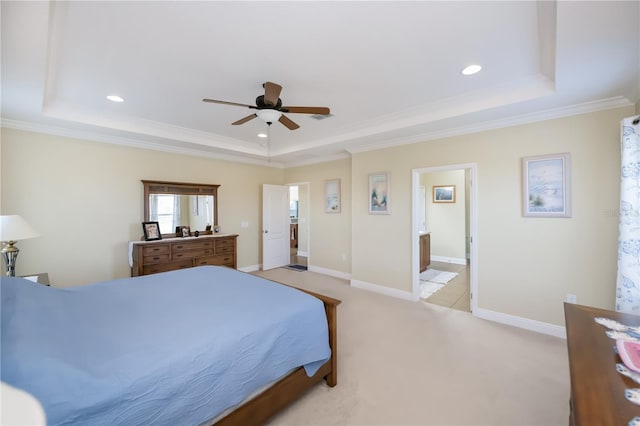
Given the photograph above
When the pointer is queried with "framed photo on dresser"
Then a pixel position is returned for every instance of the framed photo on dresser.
(151, 231)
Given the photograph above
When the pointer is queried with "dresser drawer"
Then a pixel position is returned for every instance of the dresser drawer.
(191, 254)
(221, 260)
(164, 267)
(225, 246)
(179, 253)
(191, 245)
(155, 259)
(151, 250)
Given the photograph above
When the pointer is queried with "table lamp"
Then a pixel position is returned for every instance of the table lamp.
(12, 229)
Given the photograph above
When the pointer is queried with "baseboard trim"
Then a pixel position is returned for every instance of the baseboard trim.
(250, 268)
(330, 272)
(499, 317)
(455, 260)
(393, 292)
(520, 322)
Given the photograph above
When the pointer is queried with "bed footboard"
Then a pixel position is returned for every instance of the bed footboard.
(292, 386)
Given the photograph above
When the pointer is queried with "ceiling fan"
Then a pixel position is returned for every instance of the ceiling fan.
(269, 108)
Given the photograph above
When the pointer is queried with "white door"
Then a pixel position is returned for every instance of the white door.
(275, 226)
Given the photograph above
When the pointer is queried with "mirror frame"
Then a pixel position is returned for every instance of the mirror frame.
(180, 188)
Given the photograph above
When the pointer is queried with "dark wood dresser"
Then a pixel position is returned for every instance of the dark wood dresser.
(597, 389)
(150, 257)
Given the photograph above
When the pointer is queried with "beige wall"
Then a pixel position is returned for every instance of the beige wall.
(526, 266)
(329, 233)
(85, 199)
(446, 221)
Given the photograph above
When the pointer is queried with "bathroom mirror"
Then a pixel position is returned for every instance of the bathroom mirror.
(174, 204)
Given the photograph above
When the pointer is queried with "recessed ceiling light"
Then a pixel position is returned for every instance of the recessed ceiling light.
(262, 135)
(471, 69)
(115, 98)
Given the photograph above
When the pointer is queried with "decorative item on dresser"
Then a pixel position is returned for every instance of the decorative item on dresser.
(597, 389)
(150, 257)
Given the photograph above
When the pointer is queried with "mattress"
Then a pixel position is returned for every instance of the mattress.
(174, 348)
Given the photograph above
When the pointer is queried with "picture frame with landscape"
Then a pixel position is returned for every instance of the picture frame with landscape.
(379, 193)
(546, 185)
(332, 201)
(444, 194)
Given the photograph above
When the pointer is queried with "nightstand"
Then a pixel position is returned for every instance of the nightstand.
(42, 278)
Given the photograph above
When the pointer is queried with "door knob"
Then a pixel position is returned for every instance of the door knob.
(266, 231)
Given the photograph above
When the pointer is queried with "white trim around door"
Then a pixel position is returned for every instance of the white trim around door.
(473, 224)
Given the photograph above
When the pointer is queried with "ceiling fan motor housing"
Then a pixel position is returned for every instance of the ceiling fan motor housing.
(262, 105)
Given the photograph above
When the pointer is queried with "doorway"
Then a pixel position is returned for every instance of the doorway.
(299, 224)
(435, 202)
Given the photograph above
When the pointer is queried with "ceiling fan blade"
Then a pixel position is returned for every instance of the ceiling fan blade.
(306, 110)
(288, 122)
(214, 101)
(271, 93)
(244, 120)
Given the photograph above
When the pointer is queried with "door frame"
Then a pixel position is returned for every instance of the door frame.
(473, 225)
(308, 218)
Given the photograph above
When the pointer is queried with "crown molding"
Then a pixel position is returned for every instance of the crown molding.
(550, 114)
(131, 142)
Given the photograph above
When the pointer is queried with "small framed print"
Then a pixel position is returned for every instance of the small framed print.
(379, 193)
(546, 185)
(151, 231)
(444, 193)
(185, 231)
(332, 196)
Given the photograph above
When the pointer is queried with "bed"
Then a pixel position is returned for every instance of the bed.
(181, 347)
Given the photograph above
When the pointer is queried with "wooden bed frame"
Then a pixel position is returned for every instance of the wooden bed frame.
(257, 410)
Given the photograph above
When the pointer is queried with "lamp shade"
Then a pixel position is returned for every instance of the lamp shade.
(15, 228)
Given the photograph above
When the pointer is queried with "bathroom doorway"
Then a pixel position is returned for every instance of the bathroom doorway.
(299, 225)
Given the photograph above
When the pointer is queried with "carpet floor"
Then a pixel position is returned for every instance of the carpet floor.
(415, 363)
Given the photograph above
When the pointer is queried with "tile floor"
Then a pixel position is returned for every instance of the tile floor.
(455, 294)
(298, 260)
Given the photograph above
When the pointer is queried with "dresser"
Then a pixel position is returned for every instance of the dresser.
(597, 389)
(150, 257)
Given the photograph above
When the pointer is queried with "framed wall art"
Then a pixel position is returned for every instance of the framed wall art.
(444, 193)
(151, 231)
(379, 193)
(546, 185)
(332, 202)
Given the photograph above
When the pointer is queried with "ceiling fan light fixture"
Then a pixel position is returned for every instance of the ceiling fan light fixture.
(471, 69)
(268, 115)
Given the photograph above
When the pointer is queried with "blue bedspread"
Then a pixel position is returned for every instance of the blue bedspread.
(176, 348)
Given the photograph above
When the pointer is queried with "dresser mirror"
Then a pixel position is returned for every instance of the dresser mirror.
(174, 204)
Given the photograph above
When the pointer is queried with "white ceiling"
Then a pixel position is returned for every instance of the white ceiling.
(389, 71)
